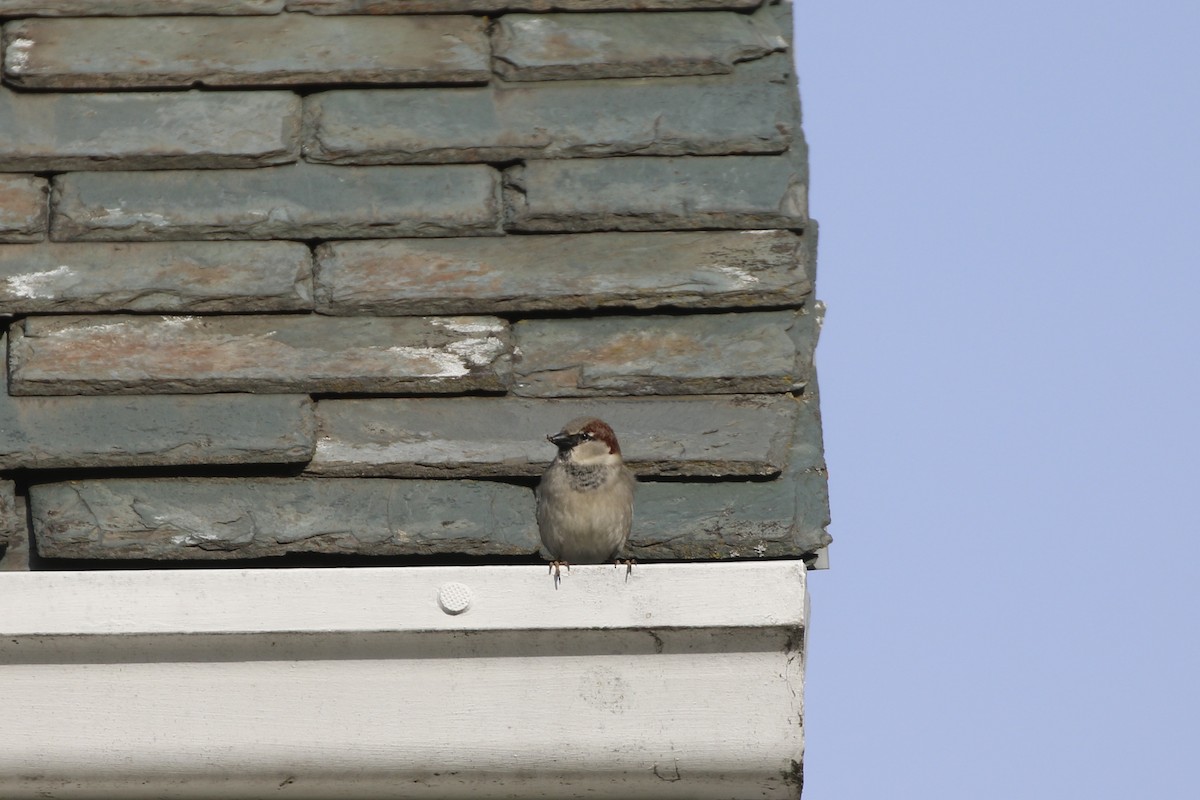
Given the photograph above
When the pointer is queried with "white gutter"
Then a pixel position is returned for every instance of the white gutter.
(683, 681)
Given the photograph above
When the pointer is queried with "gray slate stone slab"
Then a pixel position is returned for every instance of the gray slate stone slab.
(807, 453)
(764, 351)
(14, 536)
(147, 130)
(751, 111)
(78, 432)
(261, 354)
(23, 209)
(302, 201)
(240, 518)
(636, 193)
(628, 45)
(483, 6)
(123, 8)
(702, 269)
(104, 432)
(501, 437)
(101, 277)
(784, 517)
(286, 49)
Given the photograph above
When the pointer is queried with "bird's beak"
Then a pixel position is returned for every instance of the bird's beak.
(561, 439)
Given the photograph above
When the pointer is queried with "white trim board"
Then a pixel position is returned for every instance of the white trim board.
(683, 681)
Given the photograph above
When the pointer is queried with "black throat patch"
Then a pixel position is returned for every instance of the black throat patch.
(585, 478)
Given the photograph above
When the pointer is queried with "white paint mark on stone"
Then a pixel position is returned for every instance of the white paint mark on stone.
(478, 352)
(532, 24)
(37, 284)
(738, 274)
(332, 451)
(127, 219)
(17, 54)
(457, 358)
(446, 365)
(197, 538)
(177, 323)
(468, 327)
(88, 331)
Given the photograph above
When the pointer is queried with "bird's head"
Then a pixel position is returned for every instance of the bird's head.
(587, 441)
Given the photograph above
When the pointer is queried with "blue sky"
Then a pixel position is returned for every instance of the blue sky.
(1009, 198)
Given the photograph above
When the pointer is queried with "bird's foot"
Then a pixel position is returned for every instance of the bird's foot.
(628, 562)
(556, 570)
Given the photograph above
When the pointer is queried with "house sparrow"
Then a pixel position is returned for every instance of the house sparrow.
(585, 497)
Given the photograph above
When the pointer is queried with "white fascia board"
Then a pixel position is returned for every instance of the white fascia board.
(682, 680)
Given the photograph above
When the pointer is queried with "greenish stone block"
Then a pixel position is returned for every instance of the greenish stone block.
(147, 130)
(14, 535)
(502, 437)
(638, 193)
(106, 432)
(217, 518)
(783, 517)
(23, 209)
(262, 354)
(302, 201)
(630, 45)
(252, 51)
(485, 6)
(125, 8)
(749, 111)
(53, 277)
(754, 352)
(700, 269)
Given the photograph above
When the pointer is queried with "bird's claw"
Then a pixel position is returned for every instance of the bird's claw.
(628, 562)
(556, 570)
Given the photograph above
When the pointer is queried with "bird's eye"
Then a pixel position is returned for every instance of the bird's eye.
(588, 435)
